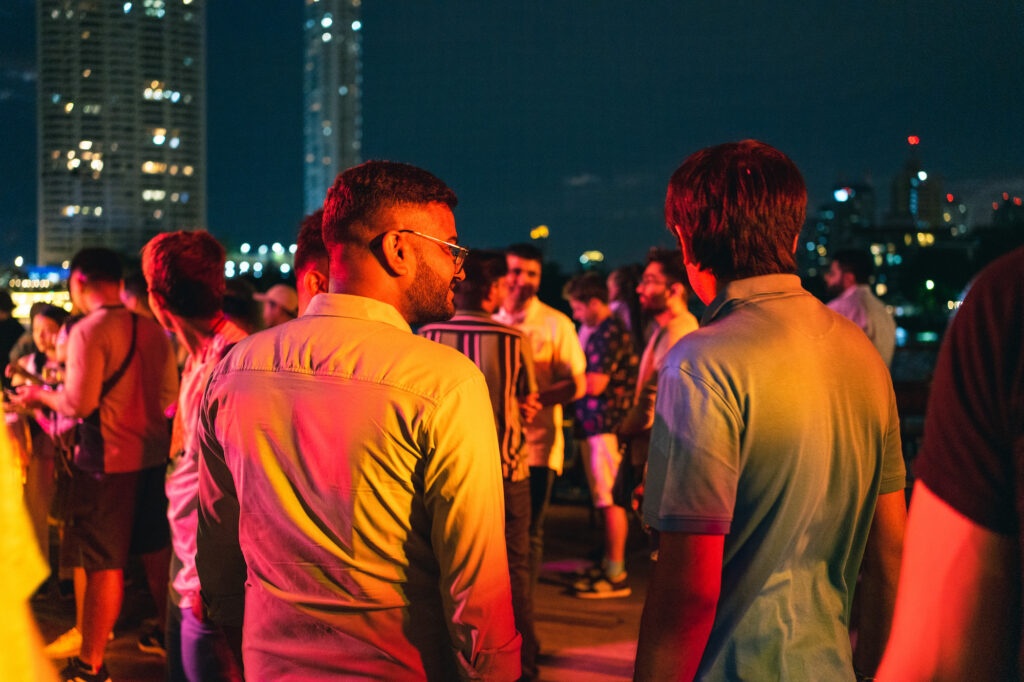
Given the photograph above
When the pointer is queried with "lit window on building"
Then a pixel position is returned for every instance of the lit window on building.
(68, 107)
(356, 25)
(326, 37)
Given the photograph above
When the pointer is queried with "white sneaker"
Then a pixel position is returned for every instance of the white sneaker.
(67, 645)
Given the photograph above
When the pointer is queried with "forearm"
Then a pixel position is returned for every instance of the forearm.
(680, 607)
(875, 598)
(564, 391)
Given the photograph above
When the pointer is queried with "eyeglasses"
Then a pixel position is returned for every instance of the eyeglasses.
(457, 252)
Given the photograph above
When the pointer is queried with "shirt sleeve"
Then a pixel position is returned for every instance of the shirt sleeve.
(568, 353)
(463, 495)
(975, 411)
(894, 471)
(693, 465)
(219, 560)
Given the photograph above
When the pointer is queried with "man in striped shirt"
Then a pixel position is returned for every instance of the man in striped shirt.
(503, 355)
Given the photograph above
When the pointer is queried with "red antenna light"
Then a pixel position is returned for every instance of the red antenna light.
(1006, 196)
(995, 205)
(949, 198)
(913, 139)
(1017, 201)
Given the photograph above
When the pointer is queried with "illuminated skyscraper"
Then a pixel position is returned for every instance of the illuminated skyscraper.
(121, 122)
(332, 122)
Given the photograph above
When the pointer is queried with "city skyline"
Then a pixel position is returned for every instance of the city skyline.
(575, 119)
(121, 96)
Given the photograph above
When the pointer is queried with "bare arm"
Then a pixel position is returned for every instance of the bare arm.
(564, 391)
(880, 573)
(957, 611)
(680, 606)
(596, 383)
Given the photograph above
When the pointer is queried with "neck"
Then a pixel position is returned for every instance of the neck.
(673, 309)
(99, 297)
(513, 305)
(196, 334)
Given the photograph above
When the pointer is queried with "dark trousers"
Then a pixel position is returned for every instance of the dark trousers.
(541, 480)
(517, 542)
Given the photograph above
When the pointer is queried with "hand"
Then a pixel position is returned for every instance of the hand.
(28, 397)
(529, 406)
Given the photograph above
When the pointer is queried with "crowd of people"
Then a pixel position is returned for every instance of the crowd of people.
(350, 477)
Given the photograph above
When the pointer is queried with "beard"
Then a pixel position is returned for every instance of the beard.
(428, 297)
(655, 304)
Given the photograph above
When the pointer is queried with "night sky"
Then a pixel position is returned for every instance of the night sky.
(574, 114)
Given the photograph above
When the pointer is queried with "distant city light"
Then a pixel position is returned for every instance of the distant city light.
(245, 247)
(18, 262)
(539, 232)
(326, 21)
(277, 248)
(293, 248)
(356, 25)
(262, 250)
(591, 257)
(949, 198)
(922, 176)
(127, 7)
(841, 195)
(929, 284)
(285, 268)
(326, 37)
(913, 139)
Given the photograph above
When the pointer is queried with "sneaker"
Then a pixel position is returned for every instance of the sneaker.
(152, 642)
(605, 587)
(77, 671)
(67, 645)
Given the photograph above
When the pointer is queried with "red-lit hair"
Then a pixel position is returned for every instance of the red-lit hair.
(739, 207)
(186, 269)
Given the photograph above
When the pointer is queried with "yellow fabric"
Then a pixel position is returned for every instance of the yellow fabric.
(22, 570)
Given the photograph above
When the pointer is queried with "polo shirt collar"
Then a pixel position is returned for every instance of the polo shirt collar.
(358, 307)
(741, 290)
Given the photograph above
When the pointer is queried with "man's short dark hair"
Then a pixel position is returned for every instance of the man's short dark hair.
(135, 284)
(186, 269)
(6, 302)
(52, 312)
(97, 264)
(526, 251)
(483, 268)
(739, 207)
(672, 265)
(361, 192)
(586, 286)
(309, 246)
(859, 263)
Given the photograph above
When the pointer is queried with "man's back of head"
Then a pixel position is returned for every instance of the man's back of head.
(858, 263)
(360, 193)
(379, 221)
(185, 272)
(97, 264)
(484, 270)
(738, 209)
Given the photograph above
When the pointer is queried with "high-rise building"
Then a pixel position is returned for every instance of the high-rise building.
(332, 121)
(121, 99)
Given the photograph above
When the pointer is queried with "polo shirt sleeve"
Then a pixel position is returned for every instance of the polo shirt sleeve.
(976, 407)
(693, 465)
(463, 495)
(894, 471)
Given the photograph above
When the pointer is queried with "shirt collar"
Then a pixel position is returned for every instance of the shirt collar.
(359, 307)
(736, 292)
(518, 317)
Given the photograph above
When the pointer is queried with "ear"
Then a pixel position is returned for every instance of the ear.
(396, 255)
(684, 245)
(314, 282)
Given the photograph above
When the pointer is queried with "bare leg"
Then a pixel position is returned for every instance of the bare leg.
(616, 528)
(78, 575)
(157, 565)
(104, 591)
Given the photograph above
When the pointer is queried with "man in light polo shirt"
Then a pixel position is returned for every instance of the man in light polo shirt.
(775, 462)
(561, 370)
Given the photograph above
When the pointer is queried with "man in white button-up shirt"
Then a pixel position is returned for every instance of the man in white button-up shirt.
(351, 495)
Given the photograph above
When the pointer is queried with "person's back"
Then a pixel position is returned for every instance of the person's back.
(359, 524)
(817, 411)
(131, 413)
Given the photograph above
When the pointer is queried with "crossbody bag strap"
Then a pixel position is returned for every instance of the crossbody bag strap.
(116, 376)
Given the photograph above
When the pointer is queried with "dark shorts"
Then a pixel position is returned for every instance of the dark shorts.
(114, 515)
